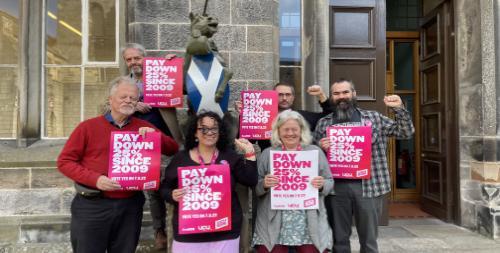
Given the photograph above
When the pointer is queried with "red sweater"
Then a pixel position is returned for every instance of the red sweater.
(85, 156)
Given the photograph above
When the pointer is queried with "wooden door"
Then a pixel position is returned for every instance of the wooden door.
(357, 48)
(438, 113)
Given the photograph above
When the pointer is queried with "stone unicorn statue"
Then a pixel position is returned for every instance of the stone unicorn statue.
(205, 71)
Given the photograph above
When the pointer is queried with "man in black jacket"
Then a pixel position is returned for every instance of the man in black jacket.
(133, 55)
(286, 97)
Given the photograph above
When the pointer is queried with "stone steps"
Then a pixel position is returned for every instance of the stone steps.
(50, 233)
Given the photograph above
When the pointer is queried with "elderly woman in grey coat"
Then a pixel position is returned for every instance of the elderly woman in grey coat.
(277, 231)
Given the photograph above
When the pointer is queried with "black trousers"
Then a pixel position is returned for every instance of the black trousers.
(347, 202)
(106, 225)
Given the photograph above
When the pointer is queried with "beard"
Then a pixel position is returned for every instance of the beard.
(127, 110)
(345, 108)
(136, 70)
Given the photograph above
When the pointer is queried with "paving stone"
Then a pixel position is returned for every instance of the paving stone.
(470, 242)
(44, 233)
(394, 232)
(420, 244)
(45, 201)
(14, 202)
(9, 233)
(436, 231)
(14, 178)
(49, 178)
(406, 222)
(386, 245)
(67, 197)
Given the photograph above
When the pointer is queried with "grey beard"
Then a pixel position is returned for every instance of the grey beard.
(137, 72)
(345, 114)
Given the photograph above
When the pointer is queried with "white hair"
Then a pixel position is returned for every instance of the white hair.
(284, 116)
(121, 80)
(137, 46)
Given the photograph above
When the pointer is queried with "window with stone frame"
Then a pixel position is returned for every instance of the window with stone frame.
(80, 58)
(290, 46)
(9, 64)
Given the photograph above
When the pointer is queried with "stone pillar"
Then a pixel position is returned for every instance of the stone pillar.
(316, 49)
(479, 158)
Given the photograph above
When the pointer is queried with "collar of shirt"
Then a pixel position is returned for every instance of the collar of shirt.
(110, 119)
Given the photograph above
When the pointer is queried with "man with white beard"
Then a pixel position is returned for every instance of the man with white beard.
(103, 218)
(361, 197)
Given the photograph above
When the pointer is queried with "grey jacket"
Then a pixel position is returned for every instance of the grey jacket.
(268, 222)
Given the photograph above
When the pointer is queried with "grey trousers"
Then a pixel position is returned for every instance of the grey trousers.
(157, 208)
(157, 205)
(348, 201)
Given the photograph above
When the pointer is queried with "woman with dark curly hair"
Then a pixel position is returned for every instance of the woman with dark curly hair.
(207, 142)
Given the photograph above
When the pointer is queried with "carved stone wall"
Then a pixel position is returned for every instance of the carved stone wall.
(478, 119)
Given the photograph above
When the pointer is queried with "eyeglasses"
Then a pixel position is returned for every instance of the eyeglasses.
(206, 130)
(285, 94)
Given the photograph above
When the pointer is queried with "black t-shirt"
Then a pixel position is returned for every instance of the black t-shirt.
(241, 170)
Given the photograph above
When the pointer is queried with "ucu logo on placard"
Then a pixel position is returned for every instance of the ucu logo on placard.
(204, 228)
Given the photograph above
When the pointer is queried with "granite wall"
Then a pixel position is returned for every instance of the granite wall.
(478, 120)
(247, 38)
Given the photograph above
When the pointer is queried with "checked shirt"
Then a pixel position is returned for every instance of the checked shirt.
(382, 127)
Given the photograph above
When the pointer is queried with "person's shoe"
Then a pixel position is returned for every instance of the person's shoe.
(160, 239)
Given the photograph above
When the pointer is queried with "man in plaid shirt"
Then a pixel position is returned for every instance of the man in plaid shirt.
(361, 198)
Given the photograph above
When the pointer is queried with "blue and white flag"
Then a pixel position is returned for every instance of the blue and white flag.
(202, 79)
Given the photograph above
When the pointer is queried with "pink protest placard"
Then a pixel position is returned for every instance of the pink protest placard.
(207, 205)
(295, 170)
(350, 151)
(134, 162)
(162, 81)
(259, 110)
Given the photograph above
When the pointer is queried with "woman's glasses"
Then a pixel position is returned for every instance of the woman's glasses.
(206, 130)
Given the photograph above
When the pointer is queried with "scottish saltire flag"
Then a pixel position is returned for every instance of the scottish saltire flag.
(202, 78)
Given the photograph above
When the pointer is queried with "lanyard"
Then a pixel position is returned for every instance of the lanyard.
(214, 157)
(299, 148)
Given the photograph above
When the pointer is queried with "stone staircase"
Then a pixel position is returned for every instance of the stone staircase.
(35, 211)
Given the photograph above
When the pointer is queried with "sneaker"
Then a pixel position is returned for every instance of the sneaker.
(160, 239)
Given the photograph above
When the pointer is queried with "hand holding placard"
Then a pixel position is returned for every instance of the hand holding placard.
(144, 130)
(177, 194)
(318, 182)
(325, 143)
(270, 181)
(106, 184)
